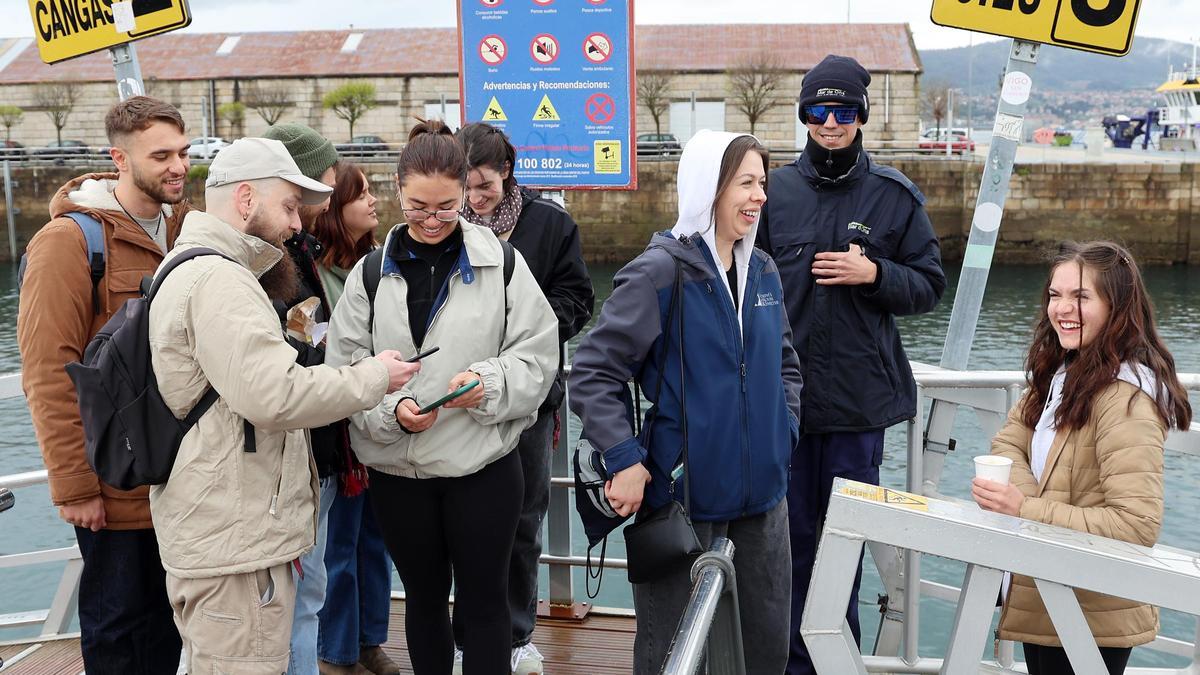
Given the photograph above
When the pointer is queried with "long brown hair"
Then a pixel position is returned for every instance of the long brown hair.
(1130, 335)
(341, 248)
(486, 145)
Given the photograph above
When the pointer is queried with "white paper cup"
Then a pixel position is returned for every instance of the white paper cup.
(993, 467)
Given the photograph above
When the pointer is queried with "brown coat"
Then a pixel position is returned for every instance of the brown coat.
(56, 320)
(1105, 478)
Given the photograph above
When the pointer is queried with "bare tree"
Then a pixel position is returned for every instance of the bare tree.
(269, 102)
(934, 101)
(57, 99)
(754, 83)
(10, 116)
(652, 87)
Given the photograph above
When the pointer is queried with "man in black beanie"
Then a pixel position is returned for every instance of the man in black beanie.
(855, 249)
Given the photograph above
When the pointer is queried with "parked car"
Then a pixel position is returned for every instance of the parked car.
(11, 150)
(62, 149)
(936, 139)
(198, 144)
(657, 144)
(364, 146)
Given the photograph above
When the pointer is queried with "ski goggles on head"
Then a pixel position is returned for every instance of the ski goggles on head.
(842, 114)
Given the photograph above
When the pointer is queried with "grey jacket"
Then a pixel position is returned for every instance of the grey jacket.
(224, 510)
(513, 348)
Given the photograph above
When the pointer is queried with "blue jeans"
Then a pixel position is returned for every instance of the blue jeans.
(359, 589)
(310, 591)
(816, 460)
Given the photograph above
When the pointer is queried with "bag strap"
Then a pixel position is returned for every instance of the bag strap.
(674, 311)
(210, 395)
(372, 272)
(93, 234)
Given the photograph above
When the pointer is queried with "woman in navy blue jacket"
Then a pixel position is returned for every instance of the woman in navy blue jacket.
(742, 383)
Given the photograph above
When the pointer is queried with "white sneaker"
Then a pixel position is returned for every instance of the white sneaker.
(457, 661)
(526, 660)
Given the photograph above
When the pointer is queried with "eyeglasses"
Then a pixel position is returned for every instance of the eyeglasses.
(842, 114)
(421, 215)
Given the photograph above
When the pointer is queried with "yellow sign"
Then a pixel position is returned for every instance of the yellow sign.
(545, 111)
(69, 28)
(1102, 26)
(886, 495)
(494, 112)
(607, 157)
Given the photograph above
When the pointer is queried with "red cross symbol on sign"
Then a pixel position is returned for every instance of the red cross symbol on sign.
(597, 48)
(600, 108)
(492, 50)
(544, 49)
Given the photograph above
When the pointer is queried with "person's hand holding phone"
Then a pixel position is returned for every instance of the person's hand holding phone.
(408, 414)
(470, 399)
(399, 371)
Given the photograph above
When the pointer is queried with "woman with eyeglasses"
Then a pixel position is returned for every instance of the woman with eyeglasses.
(446, 487)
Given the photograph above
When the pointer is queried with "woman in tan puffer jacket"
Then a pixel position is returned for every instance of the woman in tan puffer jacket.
(1086, 441)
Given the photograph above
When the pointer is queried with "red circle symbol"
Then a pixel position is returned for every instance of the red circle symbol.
(493, 50)
(597, 48)
(597, 2)
(491, 3)
(543, 3)
(544, 49)
(600, 108)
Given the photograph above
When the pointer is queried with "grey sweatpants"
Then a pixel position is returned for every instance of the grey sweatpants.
(763, 561)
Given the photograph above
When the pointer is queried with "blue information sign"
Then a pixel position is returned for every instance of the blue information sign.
(556, 76)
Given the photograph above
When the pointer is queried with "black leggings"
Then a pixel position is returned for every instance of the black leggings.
(434, 527)
(1053, 660)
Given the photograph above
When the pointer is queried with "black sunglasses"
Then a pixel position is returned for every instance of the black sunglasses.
(842, 114)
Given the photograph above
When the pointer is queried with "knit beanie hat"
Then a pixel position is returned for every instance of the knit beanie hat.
(312, 151)
(836, 78)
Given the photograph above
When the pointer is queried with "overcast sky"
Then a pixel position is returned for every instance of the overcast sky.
(1172, 19)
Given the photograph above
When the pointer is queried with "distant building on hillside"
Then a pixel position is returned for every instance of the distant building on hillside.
(415, 75)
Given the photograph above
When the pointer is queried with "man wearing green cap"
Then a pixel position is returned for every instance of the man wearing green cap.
(317, 159)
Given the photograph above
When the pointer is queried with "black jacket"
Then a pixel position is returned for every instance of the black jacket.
(856, 373)
(548, 239)
(329, 443)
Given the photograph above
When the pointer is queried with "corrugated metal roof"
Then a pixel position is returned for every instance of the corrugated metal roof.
(433, 51)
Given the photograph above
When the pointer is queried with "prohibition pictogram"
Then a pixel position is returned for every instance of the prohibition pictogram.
(544, 49)
(597, 2)
(597, 48)
(600, 108)
(543, 3)
(492, 50)
(491, 3)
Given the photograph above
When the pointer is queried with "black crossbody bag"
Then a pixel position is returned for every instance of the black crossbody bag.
(665, 540)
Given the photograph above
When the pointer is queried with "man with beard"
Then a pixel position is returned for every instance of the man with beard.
(124, 616)
(239, 510)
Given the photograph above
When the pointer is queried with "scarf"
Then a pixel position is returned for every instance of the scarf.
(504, 218)
(833, 164)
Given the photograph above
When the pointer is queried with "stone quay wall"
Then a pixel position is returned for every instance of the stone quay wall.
(1154, 209)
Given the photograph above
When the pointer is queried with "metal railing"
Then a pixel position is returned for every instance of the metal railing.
(711, 624)
(989, 393)
(1058, 559)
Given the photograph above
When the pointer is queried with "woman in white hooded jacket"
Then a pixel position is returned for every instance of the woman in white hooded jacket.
(742, 384)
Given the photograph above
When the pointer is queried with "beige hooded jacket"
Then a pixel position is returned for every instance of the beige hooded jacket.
(225, 510)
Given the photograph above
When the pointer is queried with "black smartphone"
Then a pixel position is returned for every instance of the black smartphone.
(422, 355)
(7, 499)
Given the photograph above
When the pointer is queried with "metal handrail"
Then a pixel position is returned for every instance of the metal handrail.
(711, 622)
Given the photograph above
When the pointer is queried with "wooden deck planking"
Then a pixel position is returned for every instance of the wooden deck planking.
(599, 645)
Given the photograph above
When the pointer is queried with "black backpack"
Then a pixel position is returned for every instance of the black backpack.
(131, 436)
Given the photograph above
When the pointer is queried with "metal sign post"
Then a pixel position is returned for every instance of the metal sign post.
(129, 72)
(10, 210)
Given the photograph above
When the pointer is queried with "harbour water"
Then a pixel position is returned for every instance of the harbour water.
(1008, 310)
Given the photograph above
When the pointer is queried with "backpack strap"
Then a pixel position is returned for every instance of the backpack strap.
(372, 272)
(210, 395)
(93, 234)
